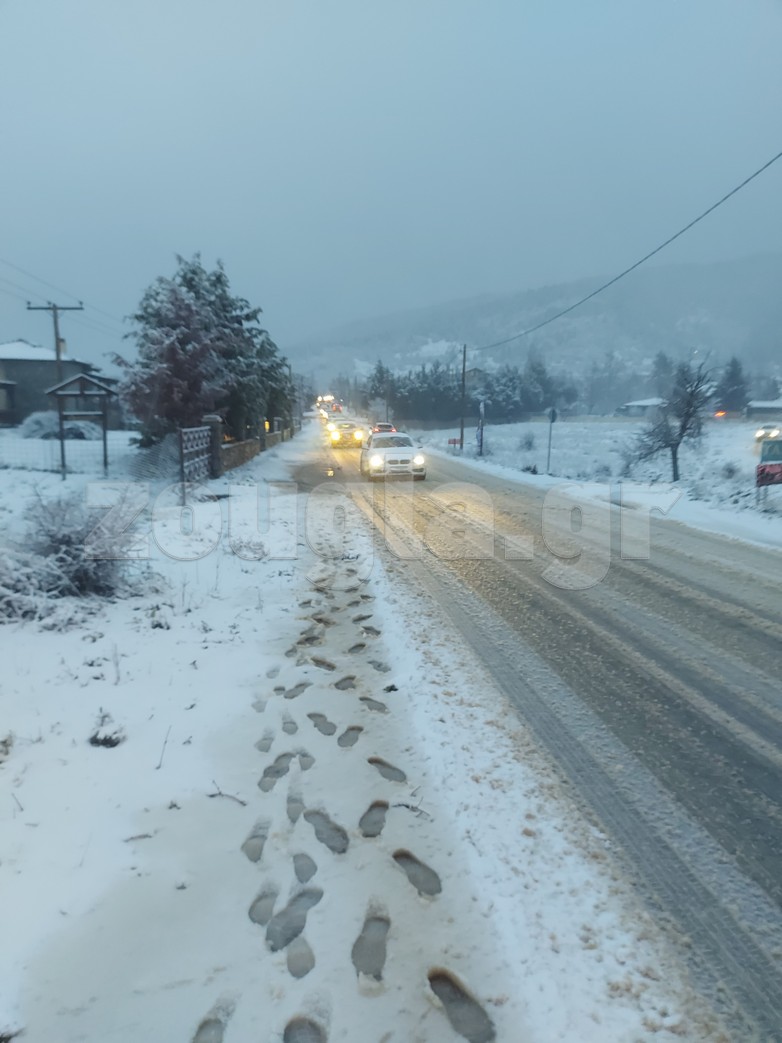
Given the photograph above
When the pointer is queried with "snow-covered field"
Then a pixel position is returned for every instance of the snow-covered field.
(717, 486)
(321, 821)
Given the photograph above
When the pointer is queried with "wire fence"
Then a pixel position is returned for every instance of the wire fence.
(159, 463)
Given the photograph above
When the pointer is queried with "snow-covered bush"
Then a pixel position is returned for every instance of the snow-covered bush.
(26, 583)
(62, 532)
(46, 424)
(60, 557)
(527, 441)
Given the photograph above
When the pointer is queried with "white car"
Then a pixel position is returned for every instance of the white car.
(389, 454)
(768, 431)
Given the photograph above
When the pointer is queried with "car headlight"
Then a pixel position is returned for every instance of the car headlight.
(335, 436)
(376, 460)
(358, 435)
(331, 425)
(774, 433)
(419, 460)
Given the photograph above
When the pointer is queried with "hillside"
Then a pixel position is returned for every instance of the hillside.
(720, 309)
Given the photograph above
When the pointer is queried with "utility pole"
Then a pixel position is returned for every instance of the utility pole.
(464, 396)
(55, 309)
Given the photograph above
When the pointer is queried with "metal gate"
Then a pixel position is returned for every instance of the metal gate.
(195, 453)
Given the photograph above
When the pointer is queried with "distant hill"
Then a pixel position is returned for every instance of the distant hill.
(720, 309)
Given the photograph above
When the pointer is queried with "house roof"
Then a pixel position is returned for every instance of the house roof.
(82, 385)
(24, 351)
(646, 402)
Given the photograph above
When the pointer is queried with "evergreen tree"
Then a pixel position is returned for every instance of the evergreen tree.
(201, 349)
(732, 392)
(662, 374)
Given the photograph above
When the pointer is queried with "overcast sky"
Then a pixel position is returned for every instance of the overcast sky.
(346, 158)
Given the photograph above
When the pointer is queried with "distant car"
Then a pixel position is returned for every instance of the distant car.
(345, 434)
(382, 425)
(390, 454)
(768, 431)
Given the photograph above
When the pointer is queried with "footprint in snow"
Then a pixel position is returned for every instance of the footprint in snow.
(304, 867)
(256, 838)
(324, 620)
(294, 807)
(296, 691)
(262, 908)
(369, 949)
(350, 736)
(388, 771)
(212, 1028)
(299, 957)
(374, 818)
(329, 833)
(289, 726)
(359, 646)
(322, 723)
(466, 1015)
(291, 921)
(302, 1030)
(275, 771)
(373, 704)
(281, 766)
(423, 879)
(322, 664)
(264, 744)
(346, 683)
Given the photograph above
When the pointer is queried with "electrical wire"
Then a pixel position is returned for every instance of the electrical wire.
(59, 289)
(621, 275)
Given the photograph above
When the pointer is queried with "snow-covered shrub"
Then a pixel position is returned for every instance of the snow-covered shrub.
(46, 424)
(63, 533)
(527, 441)
(729, 470)
(25, 583)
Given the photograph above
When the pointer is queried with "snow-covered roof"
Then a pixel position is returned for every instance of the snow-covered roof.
(775, 403)
(23, 349)
(646, 402)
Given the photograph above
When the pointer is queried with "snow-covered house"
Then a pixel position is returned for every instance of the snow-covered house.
(640, 407)
(26, 372)
(770, 409)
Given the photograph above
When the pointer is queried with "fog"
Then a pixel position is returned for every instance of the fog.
(348, 159)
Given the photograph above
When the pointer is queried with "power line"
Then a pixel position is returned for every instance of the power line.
(59, 289)
(616, 278)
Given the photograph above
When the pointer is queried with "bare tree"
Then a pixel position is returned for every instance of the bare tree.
(678, 420)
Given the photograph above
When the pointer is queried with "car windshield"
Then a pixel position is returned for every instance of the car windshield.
(392, 442)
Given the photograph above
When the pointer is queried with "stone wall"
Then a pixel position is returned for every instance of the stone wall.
(234, 454)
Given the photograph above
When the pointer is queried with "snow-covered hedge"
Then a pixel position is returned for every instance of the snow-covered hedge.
(46, 424)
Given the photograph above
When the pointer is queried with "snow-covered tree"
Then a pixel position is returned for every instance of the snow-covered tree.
(679, 419)
(732, 391)
(662, 374)
(201, 349)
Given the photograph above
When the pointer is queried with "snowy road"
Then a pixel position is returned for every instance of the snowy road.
(654, 687)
